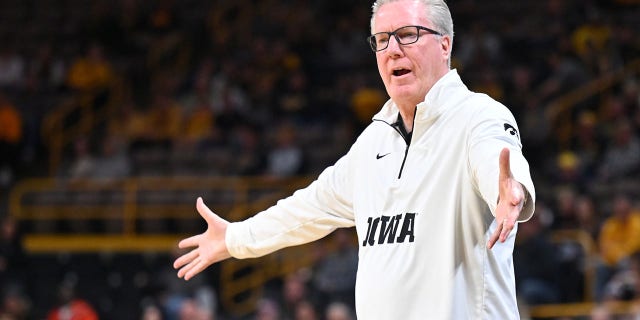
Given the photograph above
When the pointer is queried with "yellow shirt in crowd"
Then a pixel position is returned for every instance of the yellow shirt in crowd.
(619, 239)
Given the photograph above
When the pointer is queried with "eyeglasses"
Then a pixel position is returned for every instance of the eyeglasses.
(405, 35)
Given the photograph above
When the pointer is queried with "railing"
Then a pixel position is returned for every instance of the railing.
(58, 131)
(582, 310)
(558, 111)
(132, 202)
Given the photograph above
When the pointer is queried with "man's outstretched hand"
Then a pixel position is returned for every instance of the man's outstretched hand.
(510, 202)
(210, 246)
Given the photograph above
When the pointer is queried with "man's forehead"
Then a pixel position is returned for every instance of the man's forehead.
(394, 15)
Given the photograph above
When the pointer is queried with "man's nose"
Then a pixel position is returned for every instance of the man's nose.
(394, 47)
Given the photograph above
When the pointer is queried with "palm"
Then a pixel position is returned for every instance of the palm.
(208, 247)
(510, 201)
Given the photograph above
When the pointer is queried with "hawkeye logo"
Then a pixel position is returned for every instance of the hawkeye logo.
(511, 130)
(384, 229)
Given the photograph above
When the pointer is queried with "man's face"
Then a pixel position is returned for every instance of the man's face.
(409, 71)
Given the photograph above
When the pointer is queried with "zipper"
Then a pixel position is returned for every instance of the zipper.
(394, 126)
(410, 136)
(406, 152)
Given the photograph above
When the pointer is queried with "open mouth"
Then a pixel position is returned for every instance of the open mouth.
(400, 72)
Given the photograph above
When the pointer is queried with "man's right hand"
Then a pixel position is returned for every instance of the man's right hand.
(210, 246)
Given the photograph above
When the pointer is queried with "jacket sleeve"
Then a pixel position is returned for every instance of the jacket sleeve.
(309, 214)
(493, 129)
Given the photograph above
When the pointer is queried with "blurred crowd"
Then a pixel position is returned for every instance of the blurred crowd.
(281, 88)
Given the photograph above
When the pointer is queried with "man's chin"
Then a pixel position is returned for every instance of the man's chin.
(406, 94)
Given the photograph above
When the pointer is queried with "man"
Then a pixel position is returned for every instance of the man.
(431, 185)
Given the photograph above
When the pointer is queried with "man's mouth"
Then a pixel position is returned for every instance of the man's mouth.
(400, 72)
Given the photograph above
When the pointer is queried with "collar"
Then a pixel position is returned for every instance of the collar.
(434, 104)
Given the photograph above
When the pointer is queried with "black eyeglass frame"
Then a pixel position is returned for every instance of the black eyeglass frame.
(372, 38)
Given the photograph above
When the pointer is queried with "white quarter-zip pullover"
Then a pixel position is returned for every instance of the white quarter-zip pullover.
(423, 210)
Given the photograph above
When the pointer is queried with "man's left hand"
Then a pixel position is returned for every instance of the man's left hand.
(510, 202)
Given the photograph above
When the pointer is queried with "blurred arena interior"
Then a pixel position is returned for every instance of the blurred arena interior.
(116, 115)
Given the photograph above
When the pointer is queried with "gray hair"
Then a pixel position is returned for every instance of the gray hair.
(437, 12)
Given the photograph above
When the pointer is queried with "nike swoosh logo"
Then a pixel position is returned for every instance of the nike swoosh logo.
(378, 156)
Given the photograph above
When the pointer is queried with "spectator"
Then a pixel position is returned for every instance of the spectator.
(92, 72)
(294, 292)
(248, 150)
(165, 119)
(625, 284)
(568, 169)
(346, 50)
(83, 163)
(198, 146)
(10, 139)
(364, 103)
(587, 218)
(12, 67)
(14, 305)
(179, 300)
(611, 112)
(113, 162)
(12, 256)
(489, 83)
(565, 208)
(618, 240)
(565, 71)
(47, 70)
(198, 125)
(536, 262)
(131, 124)
(592, 41)
(151, 312)
(230, 101)
(287, 158)
(267, 309)
(622, 159)
(601, 312)
(306, 311)
(339, 311)
(479, 46)
(70, 306)
(535, 127)
(191, 310)
(586, 144)
(630, 97)
(335, 275)
(294, 98)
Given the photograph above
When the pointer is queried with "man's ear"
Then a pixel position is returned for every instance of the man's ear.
(445, 45)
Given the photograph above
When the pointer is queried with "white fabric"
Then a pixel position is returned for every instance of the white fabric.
(439, 211)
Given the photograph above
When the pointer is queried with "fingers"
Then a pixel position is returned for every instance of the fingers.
(186, 258)
(189, 242)
(209, 246)
(184, 270)
(192, 268)
(198, 266)
(501, 233)
(190, 264)
(204, 211)
(507, 226)
(494, 237)
(510, 201)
